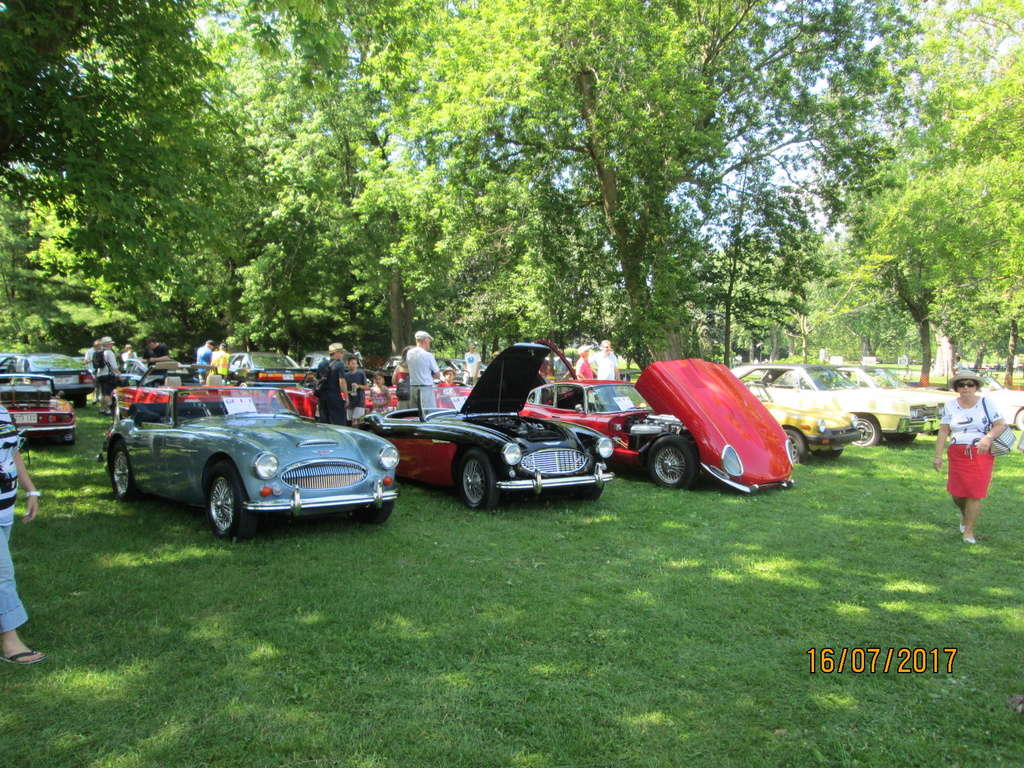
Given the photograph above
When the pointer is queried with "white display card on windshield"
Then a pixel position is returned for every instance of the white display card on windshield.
(624, 403)
(457, 401)
(235, 405)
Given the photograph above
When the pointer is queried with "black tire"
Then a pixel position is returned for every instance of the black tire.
(833, 454)
(374, 515)
(1019, 419)
(68, 438)
(79, 401)
(122, 478)
(224, 499)
(590, 492)
(901, 438)
(478, 486)
(672, 463)
(796, 444)
(870, 432)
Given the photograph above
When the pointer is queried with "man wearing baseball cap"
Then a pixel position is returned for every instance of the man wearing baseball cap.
(106, 374)
(423, 372)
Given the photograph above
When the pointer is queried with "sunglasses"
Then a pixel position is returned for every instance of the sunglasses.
(960, 384)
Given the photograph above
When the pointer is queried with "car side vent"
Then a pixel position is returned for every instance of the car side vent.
(314, 441)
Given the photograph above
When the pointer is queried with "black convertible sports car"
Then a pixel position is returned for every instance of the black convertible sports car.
(484, 447)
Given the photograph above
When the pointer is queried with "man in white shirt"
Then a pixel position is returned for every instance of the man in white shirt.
(607, 364)
(472, 364)
(423, 372)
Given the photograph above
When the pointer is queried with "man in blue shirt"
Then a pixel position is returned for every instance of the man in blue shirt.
(204, 355)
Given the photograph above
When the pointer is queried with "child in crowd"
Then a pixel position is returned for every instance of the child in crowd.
(380, 395)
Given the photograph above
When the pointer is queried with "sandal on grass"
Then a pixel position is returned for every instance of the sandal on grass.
(20, 658)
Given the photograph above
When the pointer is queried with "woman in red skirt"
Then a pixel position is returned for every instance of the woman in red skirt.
(971, 423)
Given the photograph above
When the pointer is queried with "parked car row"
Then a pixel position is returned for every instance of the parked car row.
(248, 447)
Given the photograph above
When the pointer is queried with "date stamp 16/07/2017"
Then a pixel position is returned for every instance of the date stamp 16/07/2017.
(903, 661)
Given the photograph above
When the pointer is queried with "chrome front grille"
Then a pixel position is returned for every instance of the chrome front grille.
(324, 475)
(554, 461)
(923, 412)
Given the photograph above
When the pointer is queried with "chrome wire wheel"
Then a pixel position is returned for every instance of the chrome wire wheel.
(670, 465)
(222, 504)
(473, 481)
(122, 473)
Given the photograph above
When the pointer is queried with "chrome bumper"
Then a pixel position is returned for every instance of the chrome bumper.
(45, 428)
(719, 475)
(538, 483)
(296, 505)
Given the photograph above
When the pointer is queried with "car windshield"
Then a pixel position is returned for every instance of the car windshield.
(884, 378)
(15, 388)
(231, 401)
(272, 360)
(613, 398)
(989, 384)
(451, 397)
(829, 378)
(54, 363)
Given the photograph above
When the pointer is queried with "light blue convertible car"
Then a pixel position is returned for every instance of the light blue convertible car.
(243, 452)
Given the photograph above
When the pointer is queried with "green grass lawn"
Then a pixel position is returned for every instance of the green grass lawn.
(653, 628)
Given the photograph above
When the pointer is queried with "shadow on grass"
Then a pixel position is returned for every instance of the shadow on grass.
(654, 627)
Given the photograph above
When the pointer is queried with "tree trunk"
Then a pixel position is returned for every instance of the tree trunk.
(399, 314)
(1011, 353)
(924, 332)
(979, 359)
(727, 337)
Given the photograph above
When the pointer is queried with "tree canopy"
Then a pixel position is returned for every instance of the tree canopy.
(686, 179)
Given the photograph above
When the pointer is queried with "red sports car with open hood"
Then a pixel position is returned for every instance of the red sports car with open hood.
(680, 416)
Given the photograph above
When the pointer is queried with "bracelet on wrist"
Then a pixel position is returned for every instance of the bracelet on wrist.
(34, 493)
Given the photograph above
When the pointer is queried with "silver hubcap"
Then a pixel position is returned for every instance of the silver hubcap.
(473, 481)
(791, 447)
(121, 472)
(670, 465)
(222, 503)
(867, 432)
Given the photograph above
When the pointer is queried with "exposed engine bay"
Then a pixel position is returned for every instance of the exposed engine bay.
(645, 428)
(517, 426)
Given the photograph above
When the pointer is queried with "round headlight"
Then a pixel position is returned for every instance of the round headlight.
(388, 457)
(731, 461)
(512, 454)
(822, 426)
(265, 466)
(605, 447)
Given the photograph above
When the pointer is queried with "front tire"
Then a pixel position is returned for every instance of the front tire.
(1019, 421)
(672, 463)
(122, 479)
(870, 432)
(69, 438)
(374, 515)
(477, 482)
(796, 444)
(225, 497)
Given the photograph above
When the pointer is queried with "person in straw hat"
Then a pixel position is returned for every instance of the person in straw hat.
(970, 422)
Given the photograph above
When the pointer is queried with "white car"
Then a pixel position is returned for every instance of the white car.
(1010, 401)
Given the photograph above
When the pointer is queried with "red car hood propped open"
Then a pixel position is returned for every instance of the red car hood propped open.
(718, 410)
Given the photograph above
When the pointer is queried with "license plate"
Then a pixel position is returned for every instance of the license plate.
(65, 379)
(24, 418)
